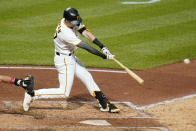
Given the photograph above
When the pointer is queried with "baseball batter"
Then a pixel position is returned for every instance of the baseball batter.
(66, 41)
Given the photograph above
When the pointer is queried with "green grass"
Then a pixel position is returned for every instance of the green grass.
(141, 36)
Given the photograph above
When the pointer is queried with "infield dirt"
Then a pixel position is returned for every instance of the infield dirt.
(163, 83)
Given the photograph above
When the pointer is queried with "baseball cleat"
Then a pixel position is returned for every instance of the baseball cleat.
(27, 101)
(110, 108)
(113, 109)
(104, 103)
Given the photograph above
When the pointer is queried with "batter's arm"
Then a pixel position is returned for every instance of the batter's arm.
(87, 34)
(90, 49)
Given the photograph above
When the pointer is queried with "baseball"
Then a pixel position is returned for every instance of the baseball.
(186, 61)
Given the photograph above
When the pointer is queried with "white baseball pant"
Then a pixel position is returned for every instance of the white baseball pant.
(67, 66)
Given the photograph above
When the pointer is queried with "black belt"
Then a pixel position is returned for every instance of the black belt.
(57, 53)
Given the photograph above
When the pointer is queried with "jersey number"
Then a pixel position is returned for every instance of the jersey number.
(58, 31)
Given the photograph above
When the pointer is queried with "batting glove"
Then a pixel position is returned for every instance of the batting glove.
(105, 51)
(110, 56)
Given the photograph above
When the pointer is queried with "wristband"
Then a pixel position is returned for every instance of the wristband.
(12, 80)
(97, 42)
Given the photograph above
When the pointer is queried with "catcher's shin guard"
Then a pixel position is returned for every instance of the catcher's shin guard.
(104, 102)
(28, 84)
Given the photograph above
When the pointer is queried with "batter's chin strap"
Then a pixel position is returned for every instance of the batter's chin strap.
(98, 43)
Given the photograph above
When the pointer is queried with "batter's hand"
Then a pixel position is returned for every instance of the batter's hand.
(105, 51)
(110, 56)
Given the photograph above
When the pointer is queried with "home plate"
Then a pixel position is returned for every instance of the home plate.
(96, 122)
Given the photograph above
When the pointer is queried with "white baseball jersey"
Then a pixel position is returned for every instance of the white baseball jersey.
(67, 65)
(67, 39)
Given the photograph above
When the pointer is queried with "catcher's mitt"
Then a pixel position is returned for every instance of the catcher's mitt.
(28, 84)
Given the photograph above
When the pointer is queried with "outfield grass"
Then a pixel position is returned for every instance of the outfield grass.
(141, 36)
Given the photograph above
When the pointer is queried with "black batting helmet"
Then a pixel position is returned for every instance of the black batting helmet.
(72, 15)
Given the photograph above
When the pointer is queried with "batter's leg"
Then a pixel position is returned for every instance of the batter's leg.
(66, 76)
(82, 73)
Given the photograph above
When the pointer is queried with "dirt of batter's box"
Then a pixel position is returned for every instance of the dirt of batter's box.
(47, 114)
(63, 109)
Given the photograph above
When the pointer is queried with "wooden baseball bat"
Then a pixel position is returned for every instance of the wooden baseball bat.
(131, 73)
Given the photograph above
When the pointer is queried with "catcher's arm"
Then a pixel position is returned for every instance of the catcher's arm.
(5, 79)
(27, 83)
(12, 80)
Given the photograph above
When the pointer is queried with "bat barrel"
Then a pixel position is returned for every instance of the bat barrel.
(131, 73)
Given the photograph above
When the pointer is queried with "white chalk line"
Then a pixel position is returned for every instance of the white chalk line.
(9, 104)
(164, 102)
(140, 2)
(52, 68)
(76, 127)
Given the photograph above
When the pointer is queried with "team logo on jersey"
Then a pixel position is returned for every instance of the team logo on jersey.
(77, 17)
